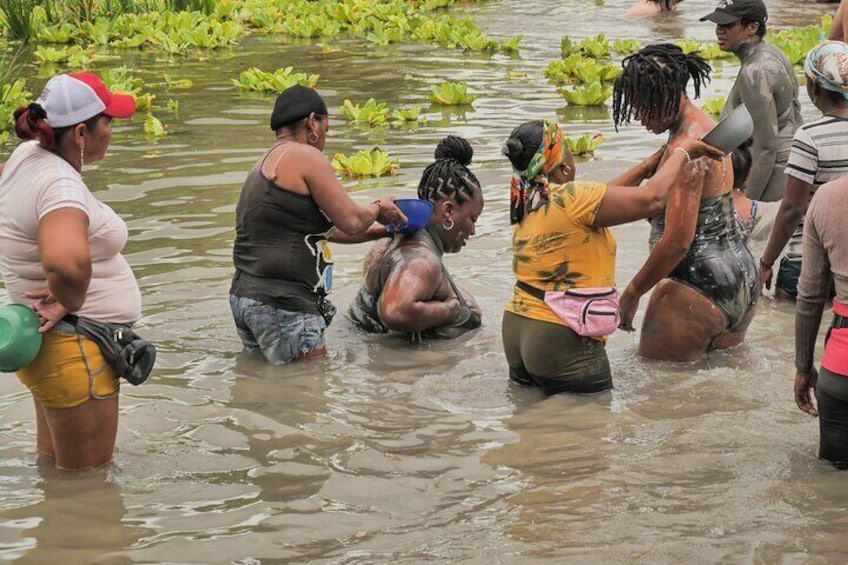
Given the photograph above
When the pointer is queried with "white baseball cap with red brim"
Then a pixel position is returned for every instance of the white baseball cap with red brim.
(76, 97)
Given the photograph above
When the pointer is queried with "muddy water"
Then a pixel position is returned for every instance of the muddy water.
(392, 452)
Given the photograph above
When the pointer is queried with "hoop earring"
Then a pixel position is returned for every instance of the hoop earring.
(311, 139)
(445, 225)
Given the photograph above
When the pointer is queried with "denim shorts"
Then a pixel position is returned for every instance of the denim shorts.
(788, 275)
(279, 334)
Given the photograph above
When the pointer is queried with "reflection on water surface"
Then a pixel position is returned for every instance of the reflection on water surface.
(391, 452)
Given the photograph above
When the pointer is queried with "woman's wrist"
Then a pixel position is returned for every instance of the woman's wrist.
(631, 289)
(682, 150)
(766, 264)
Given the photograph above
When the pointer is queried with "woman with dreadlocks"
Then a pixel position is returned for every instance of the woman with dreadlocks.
(563, 305)
(406, 287)
(698, 261)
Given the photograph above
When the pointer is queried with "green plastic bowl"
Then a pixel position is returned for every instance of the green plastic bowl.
(19, 337)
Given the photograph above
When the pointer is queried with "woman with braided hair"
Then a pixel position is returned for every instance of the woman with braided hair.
(698, 262)
(563, 251)
(406, 287)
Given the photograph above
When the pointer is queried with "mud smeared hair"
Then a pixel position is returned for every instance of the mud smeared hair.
(653, 80)
(449, 176)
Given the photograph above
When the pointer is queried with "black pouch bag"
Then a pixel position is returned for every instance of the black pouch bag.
(126, 352)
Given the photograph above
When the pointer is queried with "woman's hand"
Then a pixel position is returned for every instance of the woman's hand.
(766, 274)
(49, 309)
(389, 213)
(628, 304)
(650, 165)
(696, 148)
(804, 383)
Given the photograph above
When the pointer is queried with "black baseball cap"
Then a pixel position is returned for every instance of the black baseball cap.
(730, 11)
(295, 103)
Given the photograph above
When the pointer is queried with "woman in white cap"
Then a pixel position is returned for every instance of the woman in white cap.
(60, 252)
(819, 154)
(290, 205)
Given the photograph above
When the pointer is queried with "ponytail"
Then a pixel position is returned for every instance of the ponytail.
(30, 124)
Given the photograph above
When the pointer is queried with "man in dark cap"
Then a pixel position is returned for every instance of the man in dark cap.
(766, 84)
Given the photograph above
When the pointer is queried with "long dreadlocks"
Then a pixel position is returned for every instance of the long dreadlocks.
(653, 80)
(449, 176)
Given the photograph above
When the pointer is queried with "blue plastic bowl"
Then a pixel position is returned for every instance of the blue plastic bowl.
(417, 212)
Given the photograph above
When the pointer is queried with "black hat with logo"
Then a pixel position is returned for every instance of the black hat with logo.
(730, 11)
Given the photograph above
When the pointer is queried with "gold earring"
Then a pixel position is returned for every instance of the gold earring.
(82, 156)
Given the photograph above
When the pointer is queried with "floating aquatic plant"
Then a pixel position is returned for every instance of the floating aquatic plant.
(575, 69)
(153, 127)
(688, 45)
(278, 81)
(595, 47)
(75, 56)
(366, 163)
(177, 83)
(510, 45)
(795, 42)
(372, 112)
(411, 114)
(585, 144)
(713, 105)
(626, 46)
(451, 93)
(594, 94)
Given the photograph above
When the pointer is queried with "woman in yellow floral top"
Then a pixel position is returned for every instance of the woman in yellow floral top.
(561, 242)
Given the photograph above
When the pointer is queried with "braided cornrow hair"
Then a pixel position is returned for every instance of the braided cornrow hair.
(449, 176)
(653, 80)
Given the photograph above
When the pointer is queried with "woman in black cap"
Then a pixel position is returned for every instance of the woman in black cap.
(290, 205)
(766, 84)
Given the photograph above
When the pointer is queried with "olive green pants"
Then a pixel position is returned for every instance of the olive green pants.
(553, 357)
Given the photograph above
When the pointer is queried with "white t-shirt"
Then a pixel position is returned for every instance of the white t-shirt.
(34, 182)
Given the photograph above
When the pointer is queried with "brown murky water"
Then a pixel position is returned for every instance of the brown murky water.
(392, 452)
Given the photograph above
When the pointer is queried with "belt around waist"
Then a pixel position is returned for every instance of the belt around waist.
(839, 322)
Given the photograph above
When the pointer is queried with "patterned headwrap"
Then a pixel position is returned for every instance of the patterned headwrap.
(529, 188)
(827, 64)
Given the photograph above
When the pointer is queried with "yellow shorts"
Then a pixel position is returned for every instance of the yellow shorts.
(68, 370)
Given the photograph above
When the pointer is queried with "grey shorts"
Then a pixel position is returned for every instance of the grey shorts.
(279, 334)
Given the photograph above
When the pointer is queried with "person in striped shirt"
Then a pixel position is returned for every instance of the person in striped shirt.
(819, 154)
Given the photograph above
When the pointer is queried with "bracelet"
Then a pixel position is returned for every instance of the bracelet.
(683, 150)
(764, 265)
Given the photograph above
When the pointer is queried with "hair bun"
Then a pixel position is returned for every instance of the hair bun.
(513, 148)
(456, 148)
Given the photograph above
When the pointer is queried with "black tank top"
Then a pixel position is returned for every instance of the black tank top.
(280, 252)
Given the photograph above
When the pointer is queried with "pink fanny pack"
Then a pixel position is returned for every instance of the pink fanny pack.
(590, 312)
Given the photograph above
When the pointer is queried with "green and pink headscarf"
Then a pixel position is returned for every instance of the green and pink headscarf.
(529, 188)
